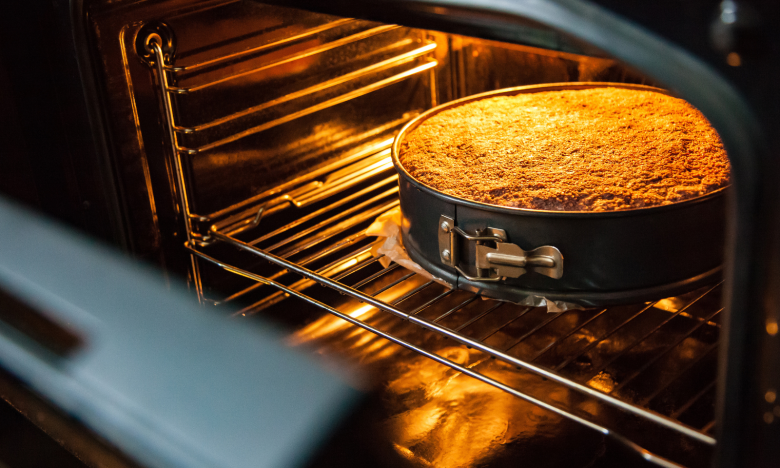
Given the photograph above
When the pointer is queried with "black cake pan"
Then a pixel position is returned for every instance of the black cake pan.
(588, 258)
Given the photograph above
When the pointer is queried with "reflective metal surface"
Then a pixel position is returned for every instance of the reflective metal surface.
(251, 183)
(436, 357)
(326, 233)
(624, 360)
(153, 44)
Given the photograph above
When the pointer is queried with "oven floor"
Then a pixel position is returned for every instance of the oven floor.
(433, 416)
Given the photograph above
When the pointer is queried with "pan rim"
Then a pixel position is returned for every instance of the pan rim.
(527, 89)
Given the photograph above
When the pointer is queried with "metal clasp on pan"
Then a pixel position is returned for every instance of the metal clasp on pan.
(505, 260)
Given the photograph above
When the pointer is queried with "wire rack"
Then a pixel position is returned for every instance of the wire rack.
(653, 362)
(631, 370)
(392, 59)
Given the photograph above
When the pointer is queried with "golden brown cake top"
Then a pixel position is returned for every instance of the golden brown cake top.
(598, 149)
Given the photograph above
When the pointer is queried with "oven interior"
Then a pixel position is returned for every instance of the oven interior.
(253, 149)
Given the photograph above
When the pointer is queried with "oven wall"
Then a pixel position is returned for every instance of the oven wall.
(316, 89)
(53, 157)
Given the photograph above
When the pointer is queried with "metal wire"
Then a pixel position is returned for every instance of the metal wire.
(432, 301)
(308, 52)
(645, 335)
(483, 314)
(523, 312)
(663, 353)
(248, 207)
(341, 260)
(359, 266)
(638, 450)
(239, 218)
(680, 373)
(533, 330)
(566, 335)
(352, 221)
(225, 58)
(339, 228)
(373, 68)
(708, 427)
(330, 208)
(602, 338)
(694, 399)
(411, 293)
(456, 308)
(376, 275)
(394, 283)
(310, 110)
(476, 344)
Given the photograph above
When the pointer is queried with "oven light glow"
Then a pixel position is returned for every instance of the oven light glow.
(603, 381)
(437, 416)
(360, 311)
(734, 59)
(671, 304)
(328, 325)
(449, 420)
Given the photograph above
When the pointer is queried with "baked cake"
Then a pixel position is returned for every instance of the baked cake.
(598, 149)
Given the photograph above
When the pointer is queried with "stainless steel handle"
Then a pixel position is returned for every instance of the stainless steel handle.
(520, 261)
(504, 259)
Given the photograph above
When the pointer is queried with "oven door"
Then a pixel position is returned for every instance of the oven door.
(164, 381)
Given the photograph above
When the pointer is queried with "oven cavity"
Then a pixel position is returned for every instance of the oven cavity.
(277, 150)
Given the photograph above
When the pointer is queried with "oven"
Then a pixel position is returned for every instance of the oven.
(245, 147)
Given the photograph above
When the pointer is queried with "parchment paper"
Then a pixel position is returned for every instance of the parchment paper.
(388, 226)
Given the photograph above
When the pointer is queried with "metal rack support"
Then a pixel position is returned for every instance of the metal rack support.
(633, 447)
(309, 274)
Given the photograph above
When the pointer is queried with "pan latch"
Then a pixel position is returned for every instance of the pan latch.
(505, 260)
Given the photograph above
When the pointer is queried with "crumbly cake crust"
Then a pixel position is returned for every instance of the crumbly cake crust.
(599, 149)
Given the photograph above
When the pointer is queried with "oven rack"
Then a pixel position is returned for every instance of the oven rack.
(340, 227)
(637, 449)
(384, 73)
(402, 59)
(364, 184)
(312, 277)
(223, 59)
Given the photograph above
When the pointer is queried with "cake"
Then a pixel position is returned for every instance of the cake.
(596, 149)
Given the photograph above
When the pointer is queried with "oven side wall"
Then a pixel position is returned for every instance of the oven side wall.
(54, 157)
(230, 174)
